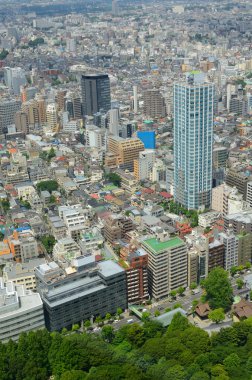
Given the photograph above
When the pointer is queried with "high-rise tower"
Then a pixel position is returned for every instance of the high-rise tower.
(95, 90)
(193, 141)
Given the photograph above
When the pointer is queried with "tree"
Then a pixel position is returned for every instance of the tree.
(219, 292)
(231, 363)
(114, 178)
(233, 271)
(74, 375)
(5, 205)
(248, 265)
(87, 324)
(108, 317)
(217, 315)
(75, 327)
(98, 319)
(52, 199)
(119, 312)
(108, 333)
(48, 242)
(157, 313)
(51, 154)
(239, 283)
(173, 293)
(50, 186)
(193, 286)
(181, 290)
(3, 54)
(145, 316)
(1, 236)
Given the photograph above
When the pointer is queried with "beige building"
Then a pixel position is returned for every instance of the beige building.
(167, 264)
(125, 150)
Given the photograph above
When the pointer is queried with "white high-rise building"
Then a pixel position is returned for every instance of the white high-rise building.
(51, 116)
(193, 141)
(14, 77)
(135, 99)
(114, 119)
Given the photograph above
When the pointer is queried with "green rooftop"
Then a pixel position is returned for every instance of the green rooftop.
(159, 246)
(194, 72)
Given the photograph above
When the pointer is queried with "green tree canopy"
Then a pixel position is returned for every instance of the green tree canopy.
(219, 292)
(50, 186)
(217, 315)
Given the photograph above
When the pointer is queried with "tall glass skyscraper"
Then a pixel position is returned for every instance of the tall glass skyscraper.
(95, 91)
(193, 141)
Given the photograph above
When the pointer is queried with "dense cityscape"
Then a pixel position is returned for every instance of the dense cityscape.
(125, 190)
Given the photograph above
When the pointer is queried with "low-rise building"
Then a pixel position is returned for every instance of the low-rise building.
(20, 311)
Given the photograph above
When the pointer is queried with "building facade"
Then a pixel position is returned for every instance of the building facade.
(81, 291)
(167, 265)
(95, 93)
(193, 142)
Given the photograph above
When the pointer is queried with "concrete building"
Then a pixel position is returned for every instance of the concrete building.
(239, 180)
(244, 248)
(8, 109)
(167, 265)
(96, 137)
(51, 117)
(14, 77)
(116, 227)
(20, 311)
(135, 261)
(193, 142)
(230, 242)
(239, 222)
(81, 291)
(144, 164)
(22, 273)
(66, 249)
(154, 104)
(114, 121)
(216, 255)
(125, 151)
(95, 93)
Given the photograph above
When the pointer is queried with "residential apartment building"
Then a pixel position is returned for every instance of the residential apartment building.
(144, 164)
(20, 311)
(135, 263)
(167, 265)
(8, 109)
(230, 242)
(193, 141)
(116, 227)
(244, 248)
(239, 180)
(82, 290)
(154, 104)
(216, 255)
(22, 273)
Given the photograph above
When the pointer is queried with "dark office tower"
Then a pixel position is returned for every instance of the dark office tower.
(95, 93)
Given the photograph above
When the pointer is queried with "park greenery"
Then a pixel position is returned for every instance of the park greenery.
(50, 186)
(134, 352)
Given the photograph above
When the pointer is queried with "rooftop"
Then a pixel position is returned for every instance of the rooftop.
(159, 246)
